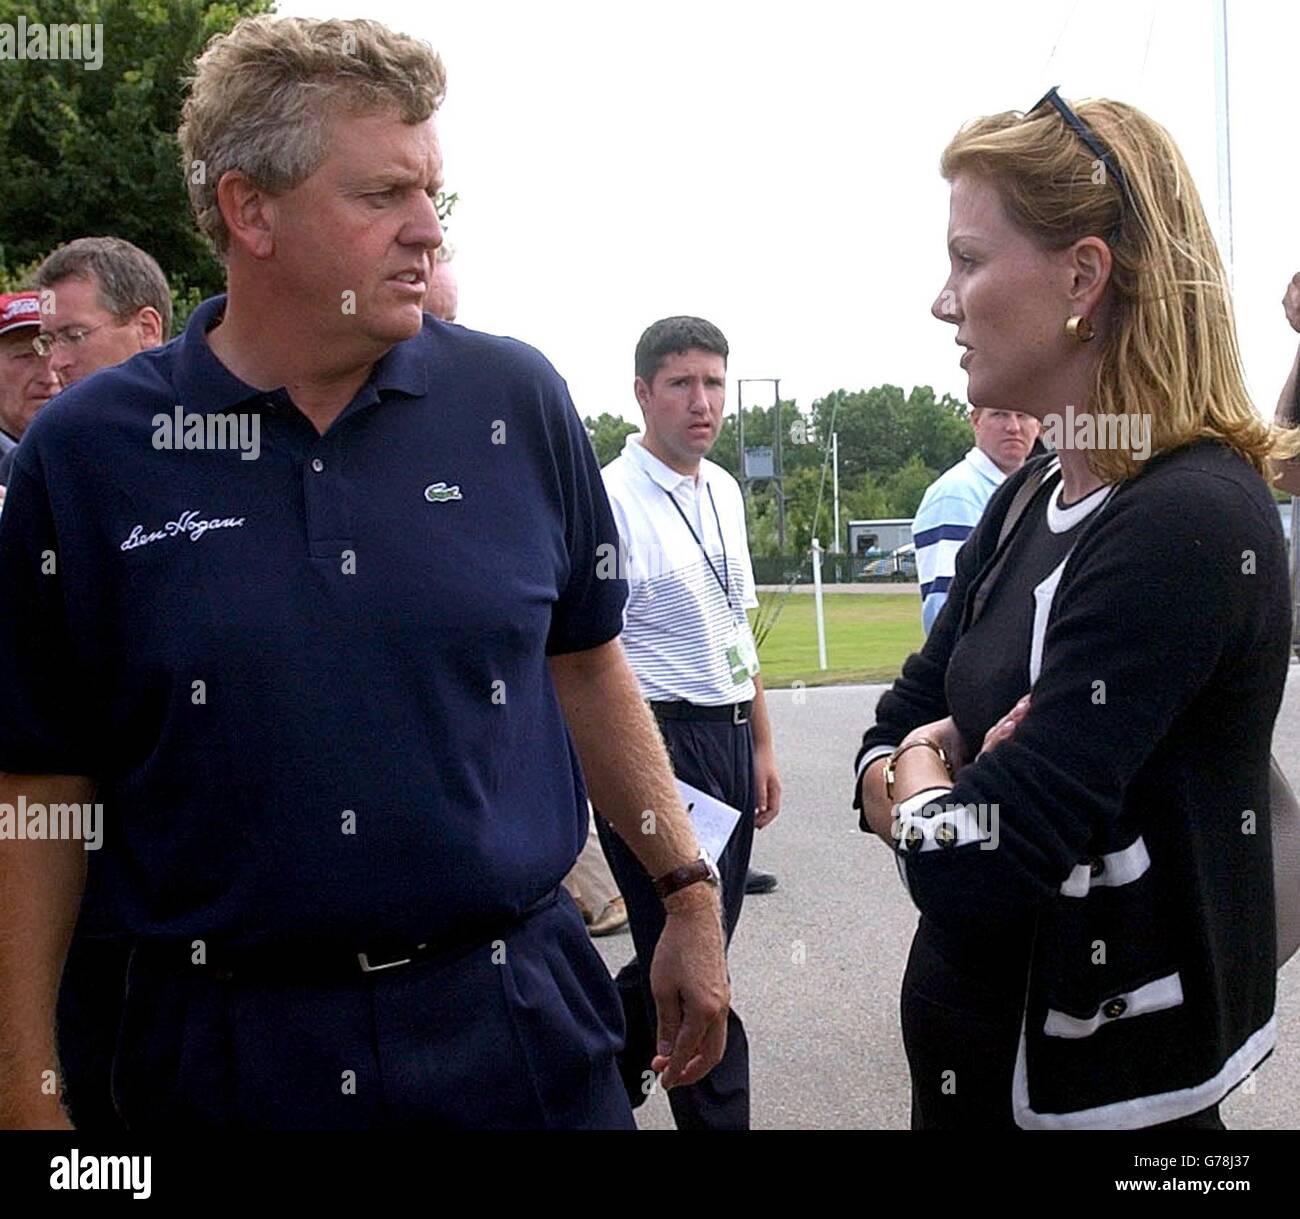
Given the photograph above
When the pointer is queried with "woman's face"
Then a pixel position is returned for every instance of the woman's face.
(1009, 300)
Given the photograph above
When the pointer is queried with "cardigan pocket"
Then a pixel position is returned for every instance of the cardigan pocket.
(1155, 996)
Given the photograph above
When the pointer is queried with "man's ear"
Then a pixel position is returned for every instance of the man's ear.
(642, 392)
(249, 213)
(148, 324)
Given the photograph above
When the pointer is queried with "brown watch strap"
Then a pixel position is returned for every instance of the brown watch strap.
(688, 874)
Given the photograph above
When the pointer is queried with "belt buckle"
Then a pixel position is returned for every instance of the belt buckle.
(363, 959)
(738, 716)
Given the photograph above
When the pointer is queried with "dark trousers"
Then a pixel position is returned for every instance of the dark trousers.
(961, 1040)
(517, 1032)
(718, 758)
(91, 997)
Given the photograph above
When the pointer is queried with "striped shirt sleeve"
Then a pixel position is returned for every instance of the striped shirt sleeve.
(941, 527)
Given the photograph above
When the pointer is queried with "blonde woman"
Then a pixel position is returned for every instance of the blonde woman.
(1074, 771)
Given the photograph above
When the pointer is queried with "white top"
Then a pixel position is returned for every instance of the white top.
(679, 624)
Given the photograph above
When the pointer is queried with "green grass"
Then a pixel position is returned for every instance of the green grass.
(868, 637)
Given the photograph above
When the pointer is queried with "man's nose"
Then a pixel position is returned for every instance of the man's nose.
(700, 397)
(60, 361)
(424, 228)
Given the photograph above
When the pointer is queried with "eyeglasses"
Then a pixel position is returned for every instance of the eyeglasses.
(69, 336)
(1095, 146)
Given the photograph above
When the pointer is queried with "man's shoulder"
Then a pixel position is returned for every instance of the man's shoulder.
(960, 484)
(491, 354)
(96, 406)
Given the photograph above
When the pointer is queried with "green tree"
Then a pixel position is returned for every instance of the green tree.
(903, 489)
(608, 434)
(89, 153)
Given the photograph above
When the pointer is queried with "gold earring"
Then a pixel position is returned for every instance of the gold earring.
(1080, 329)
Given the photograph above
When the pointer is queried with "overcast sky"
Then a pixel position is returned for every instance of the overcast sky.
(773, 167)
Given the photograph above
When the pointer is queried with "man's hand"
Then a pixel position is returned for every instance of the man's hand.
(1291, 302)
(767, 787)
(692, 991)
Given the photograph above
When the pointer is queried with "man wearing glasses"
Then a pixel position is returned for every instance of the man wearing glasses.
(107, 300)
(27, 382)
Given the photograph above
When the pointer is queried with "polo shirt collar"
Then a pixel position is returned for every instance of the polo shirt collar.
(207, 386)
(668, 478)
(986, 466)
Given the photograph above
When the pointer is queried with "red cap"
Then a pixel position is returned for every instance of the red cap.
(19, 309)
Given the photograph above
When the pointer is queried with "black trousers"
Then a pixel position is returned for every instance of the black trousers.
(961, 1031)
(718, 758)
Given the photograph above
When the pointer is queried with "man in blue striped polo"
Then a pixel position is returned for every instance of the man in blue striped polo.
(681, 525)
(954, 502)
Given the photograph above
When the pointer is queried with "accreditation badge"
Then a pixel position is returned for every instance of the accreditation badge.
(742, 655)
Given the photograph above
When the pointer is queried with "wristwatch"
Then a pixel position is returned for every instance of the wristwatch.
(700, 869)
(890, 773)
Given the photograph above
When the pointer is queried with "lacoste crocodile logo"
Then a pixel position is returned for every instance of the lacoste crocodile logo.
(440, 493)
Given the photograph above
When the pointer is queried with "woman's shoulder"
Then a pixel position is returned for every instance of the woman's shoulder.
(1197, 485)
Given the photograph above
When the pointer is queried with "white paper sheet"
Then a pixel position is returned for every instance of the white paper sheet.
(713, 820)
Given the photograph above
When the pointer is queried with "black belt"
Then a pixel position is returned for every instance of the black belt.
(322, 963)
(735, 713)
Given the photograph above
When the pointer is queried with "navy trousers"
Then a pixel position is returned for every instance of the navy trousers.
(718, 758)
(520, 1032)
(91, 995)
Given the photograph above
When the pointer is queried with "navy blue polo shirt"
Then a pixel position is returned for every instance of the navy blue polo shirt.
(313, 686)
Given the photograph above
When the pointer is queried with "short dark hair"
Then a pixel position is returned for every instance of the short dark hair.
(673, 336)
(128, 279)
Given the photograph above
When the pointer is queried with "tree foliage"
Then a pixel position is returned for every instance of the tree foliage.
(608, 433)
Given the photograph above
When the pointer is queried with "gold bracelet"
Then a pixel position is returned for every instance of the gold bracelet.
(890, 774)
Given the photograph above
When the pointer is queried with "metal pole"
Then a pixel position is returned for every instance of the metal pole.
(1223, 133)
(776, 468)
(835, 467)
(817, 594)
(1295, 570)
(740, 434)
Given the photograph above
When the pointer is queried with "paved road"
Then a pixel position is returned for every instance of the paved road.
(816, 966)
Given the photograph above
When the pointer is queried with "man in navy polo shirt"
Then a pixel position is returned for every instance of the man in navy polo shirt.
(298, 607)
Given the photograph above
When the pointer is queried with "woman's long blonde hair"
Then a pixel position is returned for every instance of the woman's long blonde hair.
(1169, 349)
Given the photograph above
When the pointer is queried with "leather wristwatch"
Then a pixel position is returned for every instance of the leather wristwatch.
(701, 869)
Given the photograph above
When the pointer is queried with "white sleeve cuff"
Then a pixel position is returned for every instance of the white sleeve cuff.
(873, 754)
(924, 822)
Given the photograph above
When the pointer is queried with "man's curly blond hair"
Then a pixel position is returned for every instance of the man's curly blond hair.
(262, 96)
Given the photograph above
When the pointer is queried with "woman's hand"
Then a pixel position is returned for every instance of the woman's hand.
(1291, 302)
(1005, 728)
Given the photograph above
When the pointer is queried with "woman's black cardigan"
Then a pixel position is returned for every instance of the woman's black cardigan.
(1132, 802)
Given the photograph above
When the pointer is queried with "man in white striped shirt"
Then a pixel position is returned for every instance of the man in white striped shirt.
(953, 504)
(685, 555)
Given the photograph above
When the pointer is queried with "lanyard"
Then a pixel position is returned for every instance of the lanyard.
(724, 580)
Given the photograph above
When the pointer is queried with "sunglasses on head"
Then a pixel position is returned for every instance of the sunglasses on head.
(1094, 145)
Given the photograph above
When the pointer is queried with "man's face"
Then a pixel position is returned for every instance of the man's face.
(354, 242)
(1005, 437)
(683, 407)
(442, 298)
(26, 381)
(87, 336)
